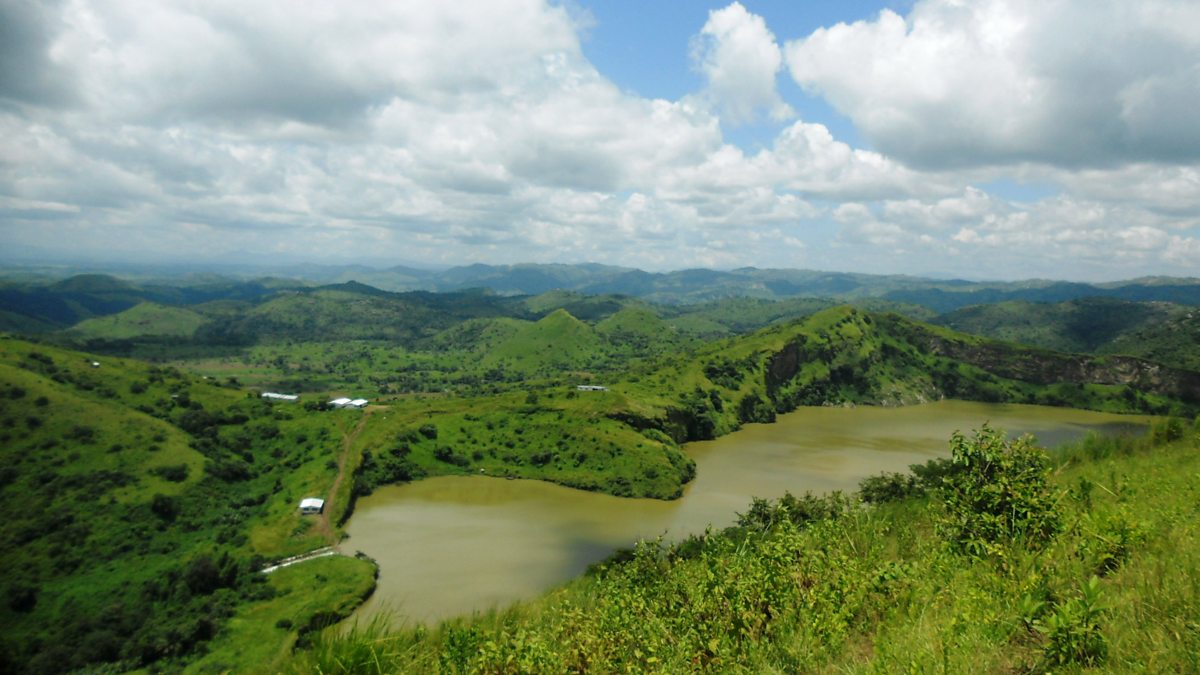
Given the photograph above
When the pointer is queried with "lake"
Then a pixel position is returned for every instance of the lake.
(452, 545)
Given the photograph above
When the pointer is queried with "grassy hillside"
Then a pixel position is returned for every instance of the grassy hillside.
(554, 343)
(143, 502)
(845, 356)
(145, 319)
(1174, 341)
(1099, 571)
(625, 440)
(1072, 326)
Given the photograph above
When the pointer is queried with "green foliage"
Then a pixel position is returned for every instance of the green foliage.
(141, 320)
(1001, 496)
(854, 590)
(126, 551)
(923, 479)
(1072, 628)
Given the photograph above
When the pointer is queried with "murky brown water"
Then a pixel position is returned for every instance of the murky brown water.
(452, 545)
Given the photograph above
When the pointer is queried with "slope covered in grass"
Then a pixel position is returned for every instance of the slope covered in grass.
(142, 503)
(554, 343)
(1085, 325)
(829, 584)
(145, 319)
(626, 439)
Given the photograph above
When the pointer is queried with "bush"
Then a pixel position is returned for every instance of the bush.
(887, 487)
(176, 473)
(165, 507)
(1000, 496)
(1073, 629)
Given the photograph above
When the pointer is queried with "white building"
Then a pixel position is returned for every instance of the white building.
(311, 505)
(339, 402)
(591, 387)
(272, 396)
(348, 403)
(357, 403)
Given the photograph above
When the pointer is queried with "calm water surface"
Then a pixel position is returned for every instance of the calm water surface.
(453, 545)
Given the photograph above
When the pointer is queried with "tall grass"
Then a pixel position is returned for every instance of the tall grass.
(865, 588)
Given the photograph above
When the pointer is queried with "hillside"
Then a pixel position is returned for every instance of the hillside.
(1162, 332)
(145, 319)
(34, 306)
(144, 501)
(1072, 326)
(846, 356)
(1174, 342)
(554, 343)
(33, 303)
(625, 440)
(1018, 562)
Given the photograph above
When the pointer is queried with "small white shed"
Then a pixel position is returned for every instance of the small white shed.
(311, 505)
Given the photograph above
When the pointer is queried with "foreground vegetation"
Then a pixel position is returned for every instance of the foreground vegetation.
(1002, 559)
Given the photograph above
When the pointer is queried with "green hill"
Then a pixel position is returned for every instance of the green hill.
(556, 342)
(142, 502)
(625, 440)
(639, 331)
(146, 319)
(1073, 326)
(1174, 341)
(476, 335)
(846, 356)
(1162, 332)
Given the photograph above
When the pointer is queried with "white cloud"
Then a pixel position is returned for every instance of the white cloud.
(740, 58)
(1069, 83)
(449, 132)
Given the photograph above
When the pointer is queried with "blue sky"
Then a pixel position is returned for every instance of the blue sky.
(644, 47)
(976, 138)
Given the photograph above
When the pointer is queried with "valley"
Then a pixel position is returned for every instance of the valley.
(145, 419)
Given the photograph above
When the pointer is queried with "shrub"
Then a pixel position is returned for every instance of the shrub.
(1000, 496)
(176, 473)
(165, 507)
(1073, 628)
(887, 487)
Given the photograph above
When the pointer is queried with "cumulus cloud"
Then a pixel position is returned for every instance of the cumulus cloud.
(1069, 83)
(451, 132)
(740, 58)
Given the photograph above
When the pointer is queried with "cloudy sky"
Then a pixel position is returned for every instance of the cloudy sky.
(984, 139)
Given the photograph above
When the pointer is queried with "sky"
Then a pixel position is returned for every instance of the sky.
(982, 139)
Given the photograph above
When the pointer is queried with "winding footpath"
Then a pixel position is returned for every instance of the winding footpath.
(324, 527)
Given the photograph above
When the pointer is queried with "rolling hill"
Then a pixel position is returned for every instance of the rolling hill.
(146, 319)
(1162, 332)
(142, 503)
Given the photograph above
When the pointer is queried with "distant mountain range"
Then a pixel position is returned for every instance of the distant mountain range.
(678, 287)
